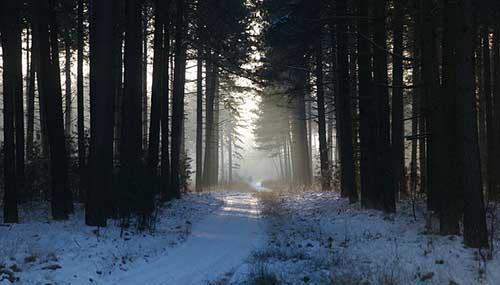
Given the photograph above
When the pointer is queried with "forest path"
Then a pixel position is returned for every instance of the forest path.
(218, 244)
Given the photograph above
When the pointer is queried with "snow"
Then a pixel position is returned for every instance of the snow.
(318, 238)
(41, 251)
(217, 246)
(232, 237)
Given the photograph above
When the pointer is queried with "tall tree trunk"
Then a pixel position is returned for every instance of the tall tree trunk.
(344, 114)
(145, 77)
(216, 126)
(221, 163)
(490, 144)
(30, 129)
(19, 133)
(157, 90)
(320, 95)
(447, 135)
(230, 154)
(58, 150)
(475, 232)
(131, 135)
(209, 123)
(301, 163)
(496, 102)
(80, 106)
(67, 97)
(178, 98)
(101, 113)
(481, 109)
(199, 122)
(10, 26)
(398, 150)
(165, 174)
(433, 114)
(385, 182)
(118, 17)
(366, 110)
(50, 94)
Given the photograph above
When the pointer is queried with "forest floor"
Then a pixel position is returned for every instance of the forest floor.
(253, 236)
(197, 238)
(318, 238)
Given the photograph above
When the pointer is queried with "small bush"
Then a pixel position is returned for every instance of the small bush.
(262, 276)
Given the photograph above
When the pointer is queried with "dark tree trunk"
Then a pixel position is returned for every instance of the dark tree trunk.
(10, 26)
(447, 133)
(221, 164)
(58, 150)
(67, 95)
(398, 150)
(165, 154)
(178, 99)
(199, 122)
(208, 163)
(118, 17)
(19, 133)
(366, 110)
(344, 115)
(214, 176)
(475, 232)
(496, 106)
(30, 129)
(80, 106)
(301, 164)
(230, 154)
(145, 77)
(385, 183)
(323, 145)
(157, 90)
(490, 144)
(35, 50)
(101, 113)
(131, 135)
(433, 114)
(50, 95)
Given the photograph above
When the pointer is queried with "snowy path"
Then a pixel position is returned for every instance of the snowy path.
(218, 244)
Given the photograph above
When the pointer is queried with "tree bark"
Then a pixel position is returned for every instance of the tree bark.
(366, 110)
(10, 26)
(101, 113)
(165, 154)
(67, 97)
(398, 150)
(131, 135)
(344, 115)
(209, 124)
(80, 106)
(144, 73)
(475, 232)
(30, 129)
(199, 122)
(157, 90)
(385, 181)
(320, 95)
(451, 192)
(178, 98)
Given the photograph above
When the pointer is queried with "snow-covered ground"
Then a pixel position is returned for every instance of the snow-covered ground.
(41, 251)
(233, 237)
(318, 238)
